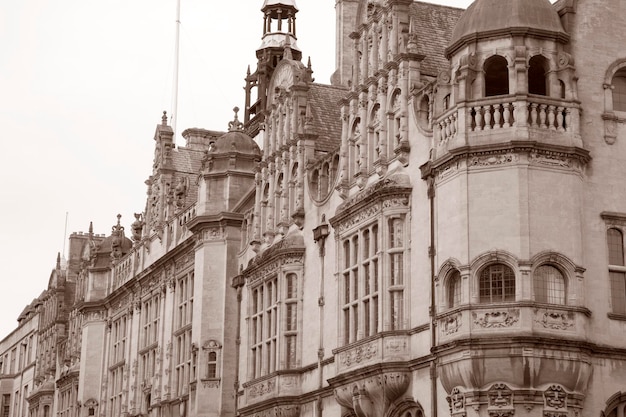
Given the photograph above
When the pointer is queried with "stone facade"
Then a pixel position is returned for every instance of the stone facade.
(439, 231)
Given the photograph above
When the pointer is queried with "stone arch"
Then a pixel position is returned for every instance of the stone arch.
(405, 407)
(538, 69)
(496, 73)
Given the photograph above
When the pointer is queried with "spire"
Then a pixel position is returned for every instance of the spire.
(58, 267)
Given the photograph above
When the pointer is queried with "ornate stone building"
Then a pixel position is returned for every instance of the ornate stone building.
(438, 232)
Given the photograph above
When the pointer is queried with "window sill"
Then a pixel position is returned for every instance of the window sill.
(615, 316)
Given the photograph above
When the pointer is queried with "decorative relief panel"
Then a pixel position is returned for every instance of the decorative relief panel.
(358, 355)
(555, 320)
(500, 401)
(451, 324)
(456, 401)
(496, 319)
(555, 402)
(492, 160)
(262, 389)
(395, 347)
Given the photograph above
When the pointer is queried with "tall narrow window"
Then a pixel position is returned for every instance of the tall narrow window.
(549, 285)
(454, 289)
(264, 328)
(619, 90)
(360, 285)
(496, 76)
(291, 322)
(617, 271)
(182, 333)
(396, 272)
(496, 284)
(537, 80)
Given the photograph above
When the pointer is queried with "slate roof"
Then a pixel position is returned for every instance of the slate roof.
(326, 115)
(433, 24)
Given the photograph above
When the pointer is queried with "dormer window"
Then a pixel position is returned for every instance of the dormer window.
(496, 76)
(537, 69)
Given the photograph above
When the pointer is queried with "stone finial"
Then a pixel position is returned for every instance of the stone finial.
(235, 125)
(58, 261)
(90, 228)
(164, 118)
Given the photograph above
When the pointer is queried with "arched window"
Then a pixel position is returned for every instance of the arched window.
(324, 180)
(315, 183)
(496, 76)
(537, 81)
(454, 289)
(619, 90)
(549, 285)
(424, 111)
(496, 283)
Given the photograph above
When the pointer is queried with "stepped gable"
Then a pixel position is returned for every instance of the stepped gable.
(488, 18)
(433, 24)
(326, 115)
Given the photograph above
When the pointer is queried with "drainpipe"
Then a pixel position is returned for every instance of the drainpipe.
(320, 233)
(237, 284)
(431, 254)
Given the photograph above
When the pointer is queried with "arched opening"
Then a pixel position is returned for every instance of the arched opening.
(315, 184)
(496, 284)
(423, 111)
(549, 285)
(537, 80)
(496, 76)
(619, 90)
(324, 180)
(454, 289)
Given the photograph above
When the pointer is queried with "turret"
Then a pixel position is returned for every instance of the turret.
(279, 33)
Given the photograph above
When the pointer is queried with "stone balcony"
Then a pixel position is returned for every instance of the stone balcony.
(284, 384)
(505, 118)
(384, 347)
(519, 319)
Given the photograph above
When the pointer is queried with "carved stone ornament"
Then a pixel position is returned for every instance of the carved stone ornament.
(456, 401)
(496, 319)
(555, 320)
(262, 388)
(491, 160)
(451, 324)
(358, 354)
(500, 401)
(555, 398)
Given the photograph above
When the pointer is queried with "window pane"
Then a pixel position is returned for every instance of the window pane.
(496, 283)
(619, 91)
(618, 292)
(454, 290)
(616, 247)
(549, 285)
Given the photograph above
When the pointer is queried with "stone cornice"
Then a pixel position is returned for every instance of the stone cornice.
(213, 220)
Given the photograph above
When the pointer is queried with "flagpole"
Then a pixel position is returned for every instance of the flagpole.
(174, 116)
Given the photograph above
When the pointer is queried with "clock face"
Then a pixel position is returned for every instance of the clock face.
(283, 77)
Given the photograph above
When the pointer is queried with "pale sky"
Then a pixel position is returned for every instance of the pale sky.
(83, 84)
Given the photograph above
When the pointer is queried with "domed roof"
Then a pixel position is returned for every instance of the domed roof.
(235, 140)
(284, 3)
(486, 18)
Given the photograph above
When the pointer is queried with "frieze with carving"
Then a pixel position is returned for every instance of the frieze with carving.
(496, 319)
(491, 160)
(555, 320)
(262, 388)
(358, 354)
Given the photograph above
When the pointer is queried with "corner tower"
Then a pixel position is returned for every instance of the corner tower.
(279, 32)
(506, 181)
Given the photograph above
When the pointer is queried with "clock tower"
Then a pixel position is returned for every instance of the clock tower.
(279, 35)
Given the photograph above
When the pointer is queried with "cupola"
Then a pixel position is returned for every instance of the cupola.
(486, 19)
